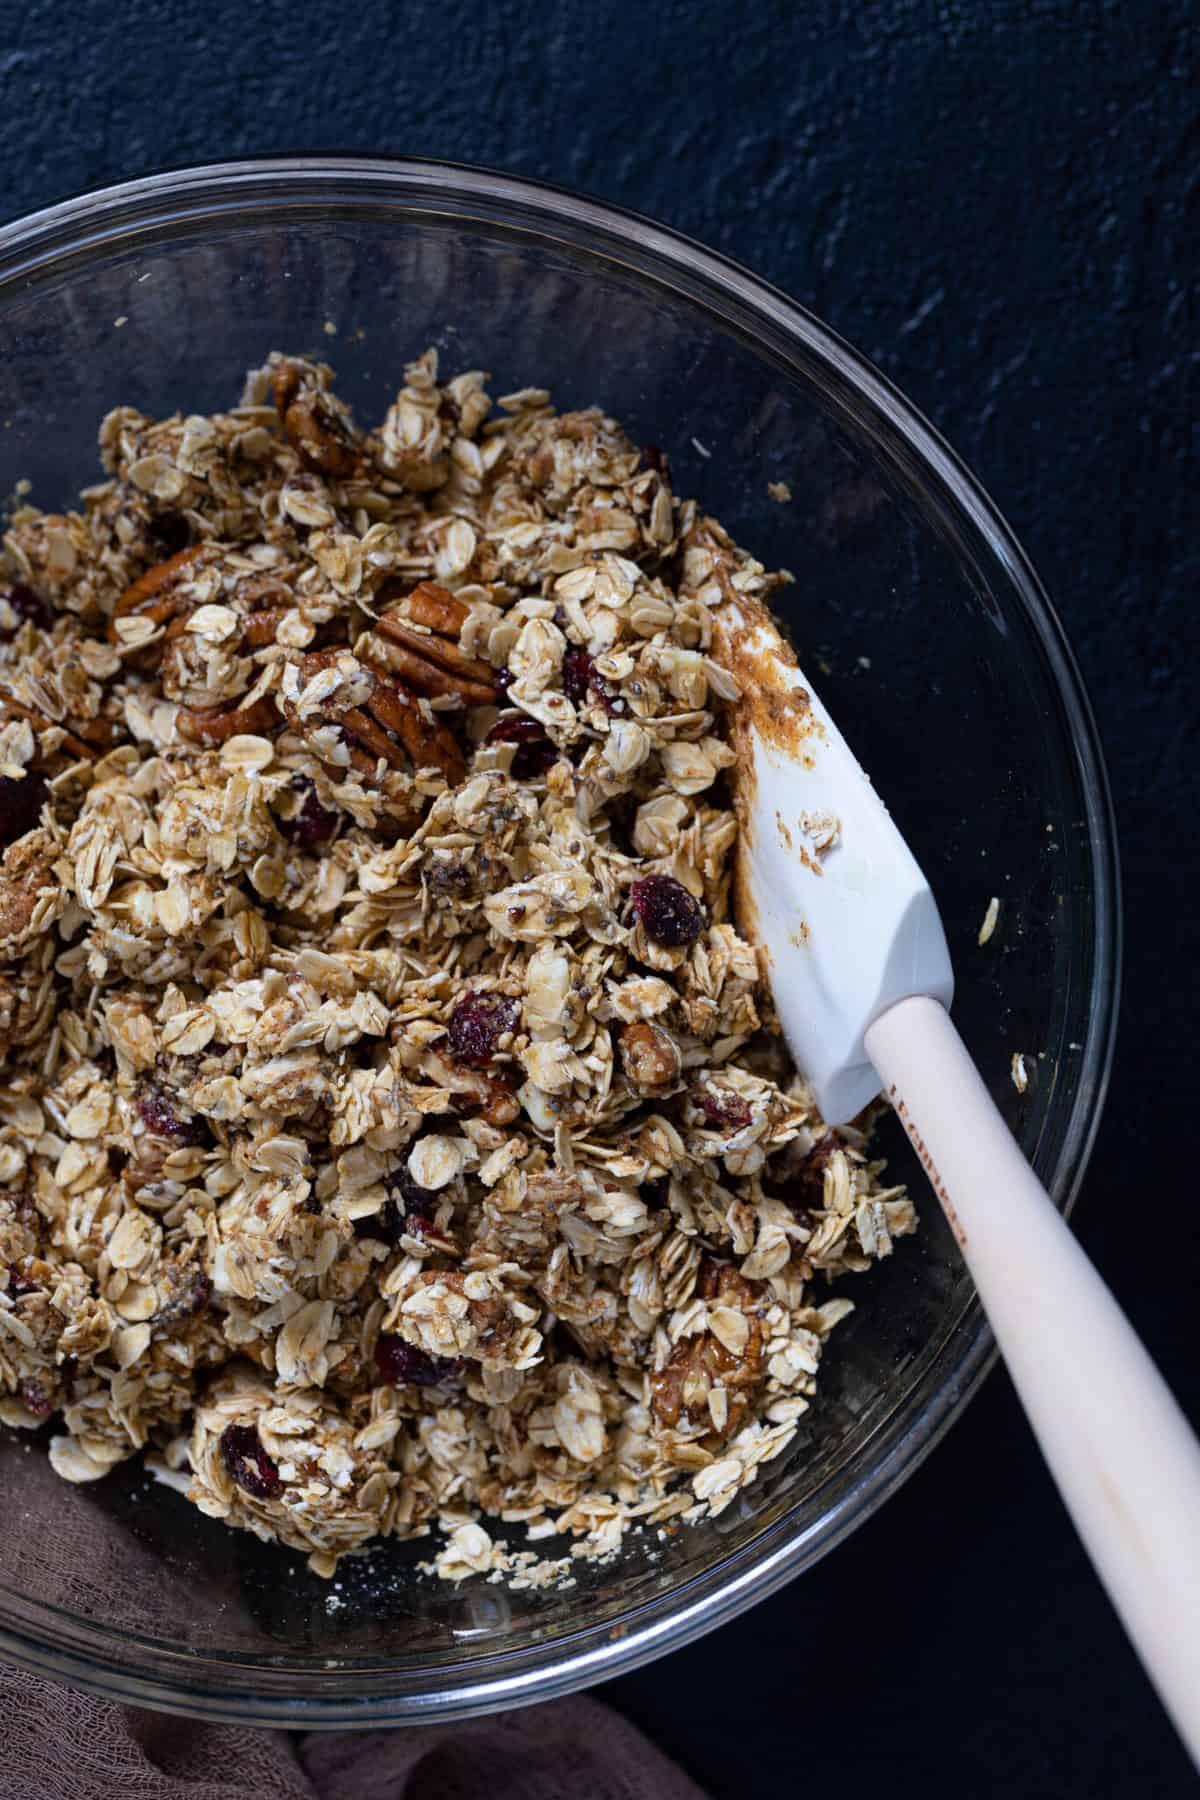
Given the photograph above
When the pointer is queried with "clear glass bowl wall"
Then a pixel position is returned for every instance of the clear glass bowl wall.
(912, 606)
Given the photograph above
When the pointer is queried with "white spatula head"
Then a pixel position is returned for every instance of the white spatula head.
(827, 886)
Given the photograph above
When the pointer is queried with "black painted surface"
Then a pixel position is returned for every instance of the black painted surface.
(995, 203)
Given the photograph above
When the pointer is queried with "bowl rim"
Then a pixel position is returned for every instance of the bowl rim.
(358, 1692)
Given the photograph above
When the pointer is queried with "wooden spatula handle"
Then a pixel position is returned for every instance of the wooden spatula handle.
(1124, 1457)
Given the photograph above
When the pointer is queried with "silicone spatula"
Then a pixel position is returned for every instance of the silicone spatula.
(861, 978)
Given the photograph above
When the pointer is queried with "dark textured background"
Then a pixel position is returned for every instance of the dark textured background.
(997, 202)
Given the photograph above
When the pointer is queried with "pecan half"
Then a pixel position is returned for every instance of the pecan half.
(500, 1106)
(215, 724)
(388, 724)
(702, 1362)
(487, 1094)
(154, 595)
(88, 738)
(262, 603)
(422, 637)
(312, 424)
(27, 872)
(650, 1057)
(434, 606)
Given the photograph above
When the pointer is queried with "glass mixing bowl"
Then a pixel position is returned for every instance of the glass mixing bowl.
(932, 642)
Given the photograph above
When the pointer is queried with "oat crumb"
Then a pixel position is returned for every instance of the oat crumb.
(822, 829)
(989, 920)
(1020, 1075)
(780, 492)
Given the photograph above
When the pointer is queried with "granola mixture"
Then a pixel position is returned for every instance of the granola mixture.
(394, 1128)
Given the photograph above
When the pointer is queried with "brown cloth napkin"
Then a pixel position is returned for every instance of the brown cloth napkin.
(62, 1745)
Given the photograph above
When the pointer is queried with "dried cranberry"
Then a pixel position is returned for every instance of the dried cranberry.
(18, 1282)
(408, 1208)
(21, 1203)
(21, 805)
(669, 913)
(654, 458)
(808, 1182)
(419, 1202)
(160, 1117)
(26, 605)
(656, 1193)
(249, 1463)
(606, 694)
(36, 1398)
(386, 1226)
(198, 1292)
(476, 1025)
(416, 1224)
(171, 533)
(399, 1362)
(314, 823)
(392, 1222)
(535, 753)
(581, 676)
(578, 669)
(723, 1108)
